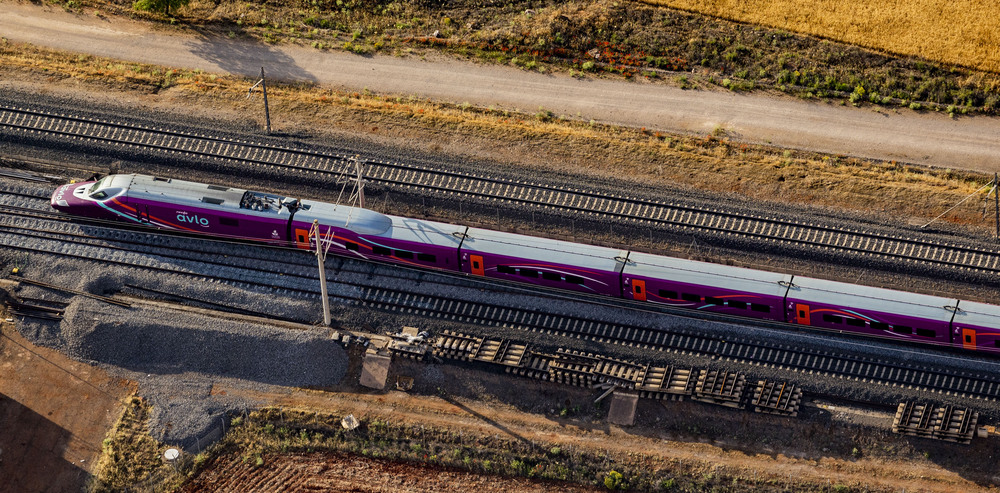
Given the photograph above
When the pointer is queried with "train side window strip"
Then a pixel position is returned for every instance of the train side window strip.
(757, 307)
(506, 269)
(350, 245)
(404, 254)
(426, 257)
(574, 280)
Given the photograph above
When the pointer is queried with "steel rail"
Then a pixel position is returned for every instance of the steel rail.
(538, 196)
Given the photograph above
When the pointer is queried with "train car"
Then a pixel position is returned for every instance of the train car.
(361, 233)
(704, 286)
(543, 262)
(866, 310)
(181, 206)
(975, 327)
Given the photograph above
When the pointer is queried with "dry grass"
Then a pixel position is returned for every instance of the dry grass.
(961, 32)
(543, 140)
(130, 457)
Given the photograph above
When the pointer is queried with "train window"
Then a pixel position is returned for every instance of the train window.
(381, 250)
(880, 326)
(968, 338)
(670, 295)
(404, 254)
(426, 257)
(833, 319)
(637, 288)
(690, 297)
(927, 333)
(757, 307)
(302, 239)
(902, 329)
(715, 301)
(528, 272)
(475, 265)
(350, 245)
(506, 269)
(226, 221)
(99, 195)
(855, 322)
(996, 343)
(574, 280)
(551, 276)
(737, 304)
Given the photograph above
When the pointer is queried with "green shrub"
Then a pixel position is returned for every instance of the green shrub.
(614, 481)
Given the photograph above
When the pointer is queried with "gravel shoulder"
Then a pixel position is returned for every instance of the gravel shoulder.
(905, 136)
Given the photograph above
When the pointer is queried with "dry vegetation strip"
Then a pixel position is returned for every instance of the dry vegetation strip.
(710, 163)
(961, 32)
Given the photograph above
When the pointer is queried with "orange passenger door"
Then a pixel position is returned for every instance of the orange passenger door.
(639, 289)
(478, 268)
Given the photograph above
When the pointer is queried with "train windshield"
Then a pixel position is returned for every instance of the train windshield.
(97, 185)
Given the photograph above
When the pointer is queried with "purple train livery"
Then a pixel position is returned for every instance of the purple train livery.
(228, 212)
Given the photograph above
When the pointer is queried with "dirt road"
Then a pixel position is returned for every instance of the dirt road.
(933, 138)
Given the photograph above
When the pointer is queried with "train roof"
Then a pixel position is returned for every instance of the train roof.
(426, 232)
(974, 314)
(543, 250)
(873, 299)
(704, 273)
(361, 221)
(248, 202)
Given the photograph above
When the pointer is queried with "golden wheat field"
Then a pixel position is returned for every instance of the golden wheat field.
(962, 32)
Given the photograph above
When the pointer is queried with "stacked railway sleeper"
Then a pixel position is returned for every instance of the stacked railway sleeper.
(571, 367)
(937, 422)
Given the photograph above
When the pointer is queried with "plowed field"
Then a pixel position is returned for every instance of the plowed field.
(337, 472)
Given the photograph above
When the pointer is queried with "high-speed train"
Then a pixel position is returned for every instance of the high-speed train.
(223, 211)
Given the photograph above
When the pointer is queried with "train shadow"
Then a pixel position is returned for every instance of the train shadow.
(32, 452)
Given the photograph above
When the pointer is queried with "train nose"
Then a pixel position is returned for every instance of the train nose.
(62, 199)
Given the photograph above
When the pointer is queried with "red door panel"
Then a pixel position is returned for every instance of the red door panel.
(802, 314)
(639, 289)
(477, 265)
(969, 338)
(302, 238)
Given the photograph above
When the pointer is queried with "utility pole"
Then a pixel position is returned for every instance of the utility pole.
(996, 203)
(263, 85)
(321, 259)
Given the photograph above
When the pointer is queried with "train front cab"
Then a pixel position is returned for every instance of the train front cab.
(544, 262)
(866, 310)
(976, 327)
(705, 286)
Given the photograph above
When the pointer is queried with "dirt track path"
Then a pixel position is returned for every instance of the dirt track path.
(933, 139)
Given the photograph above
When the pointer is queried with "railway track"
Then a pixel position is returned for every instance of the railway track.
(282, 273)
(662, 216)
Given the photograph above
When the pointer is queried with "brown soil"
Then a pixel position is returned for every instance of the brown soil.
(704, 446)
(54, 414)
(340, 472)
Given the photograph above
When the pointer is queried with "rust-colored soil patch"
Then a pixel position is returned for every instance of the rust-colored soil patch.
(341, 472)
(54, 414)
